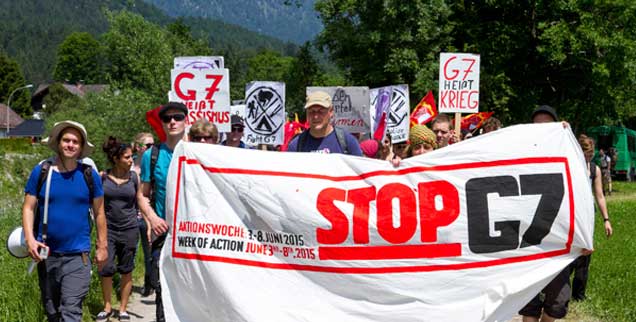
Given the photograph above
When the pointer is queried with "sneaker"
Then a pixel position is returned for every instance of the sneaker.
(103, 316)
(147, 291)
(123, 316)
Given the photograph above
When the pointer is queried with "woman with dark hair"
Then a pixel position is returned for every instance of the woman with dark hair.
(120, 190)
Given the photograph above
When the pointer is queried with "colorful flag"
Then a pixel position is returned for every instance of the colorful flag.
(474, 121)
(152, 117)
(382, 106)
(291, 129)
(424, 111)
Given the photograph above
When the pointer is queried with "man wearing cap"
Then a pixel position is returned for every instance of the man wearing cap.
(544, 114)
(322, 136)
(234, 137)
(153, 187)
(64, 275)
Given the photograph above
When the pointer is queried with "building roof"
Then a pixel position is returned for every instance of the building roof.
(14, 118)
(28, 128)
(75, 89)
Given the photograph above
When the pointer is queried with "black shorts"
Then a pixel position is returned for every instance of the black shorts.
(553, 299)
(123, 245)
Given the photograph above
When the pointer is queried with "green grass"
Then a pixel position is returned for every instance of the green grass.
(611, 289)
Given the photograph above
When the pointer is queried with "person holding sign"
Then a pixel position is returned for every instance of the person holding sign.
(443, 130)
(323, 136)
(151, 195)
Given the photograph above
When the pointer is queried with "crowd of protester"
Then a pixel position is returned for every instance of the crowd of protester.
(128, 202)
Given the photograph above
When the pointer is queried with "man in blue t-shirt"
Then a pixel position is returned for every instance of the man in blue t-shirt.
(322, 136)
(173, 117)
(65, 272)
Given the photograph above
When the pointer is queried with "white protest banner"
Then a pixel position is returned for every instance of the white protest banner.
(458, 83)
(351, 106)
(397, 118)
(463, 233)
(198, 62)
(265, 113)
(206, 93)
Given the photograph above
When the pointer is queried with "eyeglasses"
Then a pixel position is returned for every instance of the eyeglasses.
(176, 117)
(204, 138)
(237, 129)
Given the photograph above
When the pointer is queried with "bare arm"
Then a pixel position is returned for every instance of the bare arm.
(158, 225)
(600, 201)
(28, 215)
(101, 249)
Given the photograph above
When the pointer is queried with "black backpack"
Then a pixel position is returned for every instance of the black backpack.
(154, 155)
(340, 135)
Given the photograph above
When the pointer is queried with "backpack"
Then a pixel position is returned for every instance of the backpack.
(87, 172)
(340, 135)
(592, 172)
(604, 162)
(154, 155)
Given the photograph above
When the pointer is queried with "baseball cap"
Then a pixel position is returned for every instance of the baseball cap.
(318, 98)
(547, 109)
(236, 120)
(173, 106)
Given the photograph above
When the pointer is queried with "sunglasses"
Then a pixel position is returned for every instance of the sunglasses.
(205, 138)
(147, 145)
(237, 129)
(176, 117)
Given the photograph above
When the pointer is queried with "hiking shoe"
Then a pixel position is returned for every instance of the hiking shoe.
(123, 316)
(103, 316)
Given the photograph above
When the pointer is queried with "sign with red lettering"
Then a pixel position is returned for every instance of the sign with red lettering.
(351, 106)
(205, 92)
(459, 234)
(458, 83)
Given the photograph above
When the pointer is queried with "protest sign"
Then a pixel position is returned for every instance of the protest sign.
(458, 83)
(397, 119)
(458, 234)
(199, 62)
(206, 93)
(380, 106)
(351, 106)
(265, 113)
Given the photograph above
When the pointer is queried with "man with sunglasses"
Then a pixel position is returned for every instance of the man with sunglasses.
(234, 137)
(153, 187)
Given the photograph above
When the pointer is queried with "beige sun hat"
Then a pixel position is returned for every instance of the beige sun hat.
(53, 142)
(319, 98)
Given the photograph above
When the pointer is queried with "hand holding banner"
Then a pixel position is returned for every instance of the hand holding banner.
(459, 234)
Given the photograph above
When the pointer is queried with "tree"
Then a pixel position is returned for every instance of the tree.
(139, 54)
(304, 71)
(79, 58)
(574, 55)
(10, 79)
(379, 43)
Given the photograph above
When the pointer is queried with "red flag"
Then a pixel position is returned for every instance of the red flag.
(424, 111)
(474, 121)
(291, 129)
(152, 117)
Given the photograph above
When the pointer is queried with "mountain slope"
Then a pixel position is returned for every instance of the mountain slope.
(297, 21)
(31, 30)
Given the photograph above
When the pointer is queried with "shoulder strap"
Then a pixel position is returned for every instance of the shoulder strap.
(154, 155)
(87, 171)
(302, 138)
(45, 168)
(342, 140)
(592, 171)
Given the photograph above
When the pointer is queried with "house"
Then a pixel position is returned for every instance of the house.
(79, 90)
(9, 119)
(29, 128)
